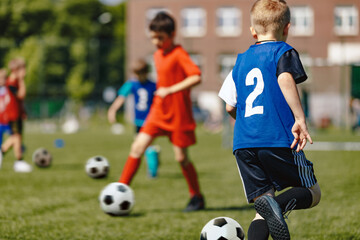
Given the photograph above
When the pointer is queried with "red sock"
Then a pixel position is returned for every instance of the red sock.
(130, 168)
(190, 175)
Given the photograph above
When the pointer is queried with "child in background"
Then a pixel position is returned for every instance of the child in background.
(16, 83)
(171, 112)
(143, 90)
(270, 130)
(8, 108)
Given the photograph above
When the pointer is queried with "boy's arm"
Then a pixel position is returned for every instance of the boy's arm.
(187, 83)
(115, 106)
(228, 94)
(22, 90)
(299, 129)
(231, 111)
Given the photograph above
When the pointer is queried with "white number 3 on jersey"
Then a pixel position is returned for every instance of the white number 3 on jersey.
(249, 108)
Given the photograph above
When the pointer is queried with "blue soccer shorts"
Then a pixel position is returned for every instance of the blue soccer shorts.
(263, 169)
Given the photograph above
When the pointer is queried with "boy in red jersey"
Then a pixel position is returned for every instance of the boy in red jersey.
(171, 112)
(8, 107)
(16, 83)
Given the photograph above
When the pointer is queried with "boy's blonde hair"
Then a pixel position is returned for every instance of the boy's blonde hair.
(16, 63)
(269, 16)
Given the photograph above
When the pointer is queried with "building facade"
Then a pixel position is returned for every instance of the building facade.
(324, 32)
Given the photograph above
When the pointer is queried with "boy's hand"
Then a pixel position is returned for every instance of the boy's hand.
(162, 92)
(301, 135)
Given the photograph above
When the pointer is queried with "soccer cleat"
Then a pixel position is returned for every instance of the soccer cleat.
(270, 210)
(22, 166)
(196, 203)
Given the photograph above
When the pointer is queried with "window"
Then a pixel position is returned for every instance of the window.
(346, 20)
(226, 64)
(302, 21)
(197, 59)
(193, 22)
(228, 21)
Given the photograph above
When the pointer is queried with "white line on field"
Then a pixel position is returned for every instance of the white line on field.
(326, 146)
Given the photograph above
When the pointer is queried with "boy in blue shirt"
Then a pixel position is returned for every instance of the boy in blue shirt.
(143, 90)
(270, 130)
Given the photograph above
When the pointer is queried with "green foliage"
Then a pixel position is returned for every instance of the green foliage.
(30, 49)
(77, 87)
(55, 38)
(61, 202)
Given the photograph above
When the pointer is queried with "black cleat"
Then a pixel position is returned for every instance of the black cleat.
(196, 203)
(269, 209)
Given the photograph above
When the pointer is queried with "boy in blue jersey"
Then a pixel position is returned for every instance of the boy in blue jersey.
(143, 90)
(270, 130)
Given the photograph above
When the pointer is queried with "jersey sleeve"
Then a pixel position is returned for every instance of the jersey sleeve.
(228, 91)
(125, 89)
(187, 64)
(290, 62)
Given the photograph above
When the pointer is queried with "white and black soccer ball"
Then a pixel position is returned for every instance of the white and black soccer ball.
(222, 228)
(97, 167)
(42, 158)
(117, 199)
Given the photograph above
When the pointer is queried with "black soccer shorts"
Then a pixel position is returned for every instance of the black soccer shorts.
(263, 169)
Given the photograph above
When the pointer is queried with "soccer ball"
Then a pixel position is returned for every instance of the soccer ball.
(97, 167)
(222, 228)
(117, 199)
(42, 158)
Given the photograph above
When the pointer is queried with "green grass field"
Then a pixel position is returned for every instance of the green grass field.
(61, 202)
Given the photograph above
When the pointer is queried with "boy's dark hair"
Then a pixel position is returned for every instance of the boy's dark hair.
(140, 67)
(162, 22)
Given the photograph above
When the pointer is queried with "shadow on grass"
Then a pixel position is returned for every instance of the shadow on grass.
(231, 208)
(66, 166)
(207, 209)
(131, 215)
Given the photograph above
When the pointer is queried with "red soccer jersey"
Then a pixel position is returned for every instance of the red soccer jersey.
(9, 109)
(175, 110)
(14, 84)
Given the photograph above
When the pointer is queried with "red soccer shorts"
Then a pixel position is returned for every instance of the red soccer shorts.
(178, 138)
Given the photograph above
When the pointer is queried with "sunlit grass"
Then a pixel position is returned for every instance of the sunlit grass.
(61, 202)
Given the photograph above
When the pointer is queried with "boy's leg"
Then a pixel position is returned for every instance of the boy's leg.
(301, 197)
(188, 170)
(190, 174)
(20, 165)
(7, 144)
(138, 147)
(258, 229)
(270, 210)
(17, 142)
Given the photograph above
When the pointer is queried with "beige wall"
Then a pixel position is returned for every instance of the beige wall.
(324, 78)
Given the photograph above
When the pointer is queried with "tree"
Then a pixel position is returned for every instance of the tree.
(66, 48)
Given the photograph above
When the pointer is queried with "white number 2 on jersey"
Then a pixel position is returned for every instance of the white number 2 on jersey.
(249, 81)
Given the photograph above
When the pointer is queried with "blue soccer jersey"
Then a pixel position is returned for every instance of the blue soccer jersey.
(263, 117)
(143, 96)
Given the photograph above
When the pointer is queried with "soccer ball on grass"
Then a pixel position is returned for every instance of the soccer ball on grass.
(97, 167)
(42, 158)
(117, 199)
(222, 228)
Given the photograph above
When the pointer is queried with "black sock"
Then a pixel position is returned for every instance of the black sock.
(302, 196)
(258, 230)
